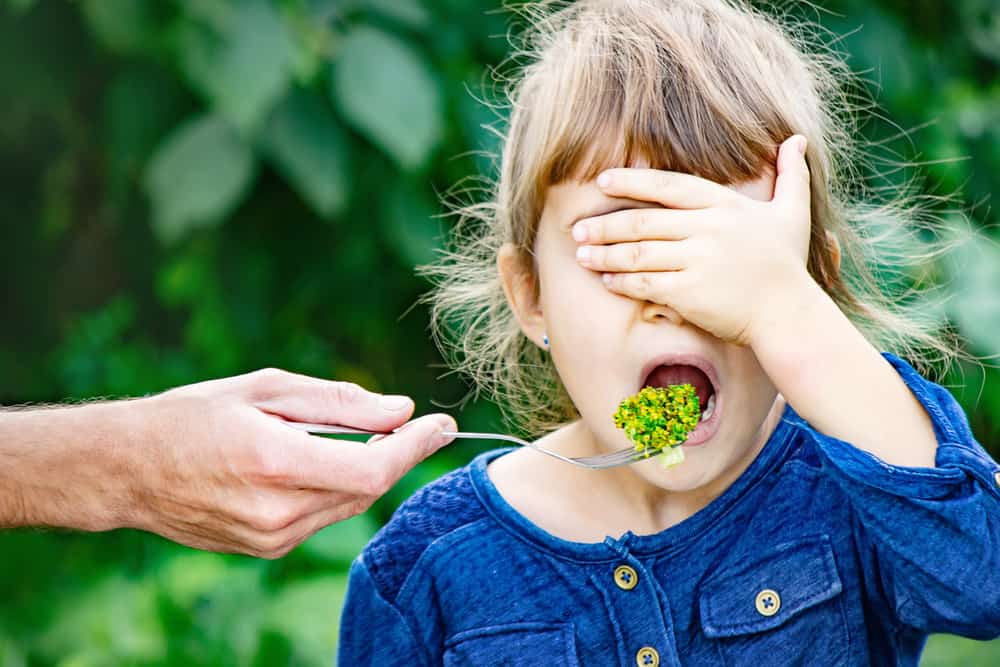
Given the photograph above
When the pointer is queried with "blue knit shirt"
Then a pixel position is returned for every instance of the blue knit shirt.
(818, 554)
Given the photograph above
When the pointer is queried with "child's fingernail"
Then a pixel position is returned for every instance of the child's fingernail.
(604, 180)
(580, 231)
(802, 143)
(606, 277)
(583, 254)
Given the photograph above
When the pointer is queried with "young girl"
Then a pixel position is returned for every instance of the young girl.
(659, 219)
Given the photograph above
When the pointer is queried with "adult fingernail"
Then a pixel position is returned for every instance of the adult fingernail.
(394, 403)
(438, 438)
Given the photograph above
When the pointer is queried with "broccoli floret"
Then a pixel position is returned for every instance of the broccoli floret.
(660, 418)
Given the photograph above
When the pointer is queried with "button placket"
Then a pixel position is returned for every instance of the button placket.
(636, 609)
(626, 577)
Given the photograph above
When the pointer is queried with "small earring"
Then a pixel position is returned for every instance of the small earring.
(545, 341)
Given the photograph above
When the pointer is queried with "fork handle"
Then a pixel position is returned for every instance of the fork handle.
(623, 457)
(330, 429)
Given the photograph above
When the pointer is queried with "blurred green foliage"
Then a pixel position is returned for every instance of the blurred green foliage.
(195, 188)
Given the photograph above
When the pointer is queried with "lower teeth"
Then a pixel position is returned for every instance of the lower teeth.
(709, 408)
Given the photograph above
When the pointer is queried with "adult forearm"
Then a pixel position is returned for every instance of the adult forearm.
(211, 465)
(66, 466)
(837, 381)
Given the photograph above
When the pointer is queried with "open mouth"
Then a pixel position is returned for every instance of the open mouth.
(693, 371)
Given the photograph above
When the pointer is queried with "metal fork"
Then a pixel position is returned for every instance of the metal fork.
(620, 458)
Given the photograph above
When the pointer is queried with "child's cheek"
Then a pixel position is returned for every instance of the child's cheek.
(586, 323)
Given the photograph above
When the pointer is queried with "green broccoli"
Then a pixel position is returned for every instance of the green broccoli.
(660, 418)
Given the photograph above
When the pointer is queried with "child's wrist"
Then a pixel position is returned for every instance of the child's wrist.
(783, 307)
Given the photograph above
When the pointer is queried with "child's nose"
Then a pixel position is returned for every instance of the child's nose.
(652, 312)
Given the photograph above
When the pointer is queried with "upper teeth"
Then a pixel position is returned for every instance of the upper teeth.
(709, 408)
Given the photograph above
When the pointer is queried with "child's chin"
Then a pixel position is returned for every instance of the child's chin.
(685, 476)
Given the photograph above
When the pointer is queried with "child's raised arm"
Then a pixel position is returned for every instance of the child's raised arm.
(931, 534)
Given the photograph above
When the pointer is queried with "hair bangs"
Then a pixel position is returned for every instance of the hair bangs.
(621, 103)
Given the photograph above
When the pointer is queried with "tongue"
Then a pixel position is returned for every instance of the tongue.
(663, 376)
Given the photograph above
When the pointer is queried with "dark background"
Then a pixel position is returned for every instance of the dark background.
(197, 188)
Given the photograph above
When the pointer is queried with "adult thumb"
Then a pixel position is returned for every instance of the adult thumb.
(791, 187)
(400, 451)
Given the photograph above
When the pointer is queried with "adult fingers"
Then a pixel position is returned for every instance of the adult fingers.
(303, 398)
(629, 257)
(672, 189)
(364, 469)
(637, 224)
(205, 535)
(266, 524)
(394, 455)
(278, 544)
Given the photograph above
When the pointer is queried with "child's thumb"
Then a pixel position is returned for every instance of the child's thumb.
(791, 187)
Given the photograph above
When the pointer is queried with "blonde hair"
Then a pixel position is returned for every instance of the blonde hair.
(708, 87)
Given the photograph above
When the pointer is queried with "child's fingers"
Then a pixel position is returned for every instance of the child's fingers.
(670, 188)
(631, 257)
(637, 224)
(791, 187)
(653, 286)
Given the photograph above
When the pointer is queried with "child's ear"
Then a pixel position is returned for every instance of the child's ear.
(519, 285)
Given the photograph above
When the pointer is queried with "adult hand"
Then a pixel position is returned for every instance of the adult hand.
(712, 254)
(211, 465)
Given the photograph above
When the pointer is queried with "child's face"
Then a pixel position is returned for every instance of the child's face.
(601, 342)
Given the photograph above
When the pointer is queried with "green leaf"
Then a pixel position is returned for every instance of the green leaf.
(140, 106)
(410, 228)
(951, 651)
(191, 575)
(124, 26)
(197, 176)
(308, 613)
(341, 542)
(242, 62)
(408, 12)
(310, 149)
(181, 280)
(222, 597)
(981, 23)
(386, 90)
(20, 6)
(974, 267)
(114, 621)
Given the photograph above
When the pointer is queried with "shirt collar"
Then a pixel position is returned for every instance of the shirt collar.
(772, 454)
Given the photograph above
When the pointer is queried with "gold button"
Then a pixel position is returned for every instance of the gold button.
(626, 577)
(647, 657)
(768, 602)
(996, 477)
